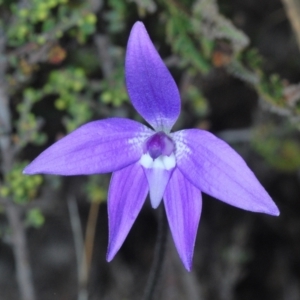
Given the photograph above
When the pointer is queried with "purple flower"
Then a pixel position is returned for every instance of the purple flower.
(173, 167)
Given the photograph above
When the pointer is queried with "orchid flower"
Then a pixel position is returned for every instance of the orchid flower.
(173, 167)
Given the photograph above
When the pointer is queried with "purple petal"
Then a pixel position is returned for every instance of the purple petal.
(216, 169)
(183, 203)
(96, 147)
(151, 88)
(127, 193)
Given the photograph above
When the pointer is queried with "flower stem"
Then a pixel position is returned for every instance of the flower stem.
(159, 255)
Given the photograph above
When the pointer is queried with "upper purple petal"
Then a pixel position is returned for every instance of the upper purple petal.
(151, 88)
(183, 203)
(127, 193)
(96, 147)
(216, 169)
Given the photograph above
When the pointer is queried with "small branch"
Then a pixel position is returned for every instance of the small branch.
(20, 248)
(292, 8)
(78, 242)
(103, 45)
(90, 236)
(20, 251)
(4, 110)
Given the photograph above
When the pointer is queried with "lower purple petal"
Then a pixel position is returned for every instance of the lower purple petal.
(96, 147)
(127, 193)
(216, 169)
(183, 203)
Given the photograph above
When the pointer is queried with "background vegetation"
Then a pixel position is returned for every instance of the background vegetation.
(62, 64)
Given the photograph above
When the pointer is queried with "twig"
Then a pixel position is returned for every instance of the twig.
(78, 242)
(4, 110)
(292, 8)
(20, 248)
(103, 45)
(24, 275)
(84, 250)
(90, 236)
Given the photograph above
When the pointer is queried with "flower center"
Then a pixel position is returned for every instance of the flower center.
(158, 162)
(158, 152)
(159, 144)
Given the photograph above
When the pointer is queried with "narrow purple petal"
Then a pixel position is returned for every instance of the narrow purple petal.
(96, 147)
(183, 203)
(151, 88)
(127, 193)
(217, 170)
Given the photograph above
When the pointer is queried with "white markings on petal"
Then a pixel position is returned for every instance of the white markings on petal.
(146, 161)
(138, 139)
(162, 162)
(181, 149)
(169, 162)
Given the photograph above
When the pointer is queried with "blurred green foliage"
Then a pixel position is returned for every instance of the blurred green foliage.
(279, 147)
(96, 188)
(34, 218)
(38, 21)
(18, 187)
(27, 125)
(68, 86)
